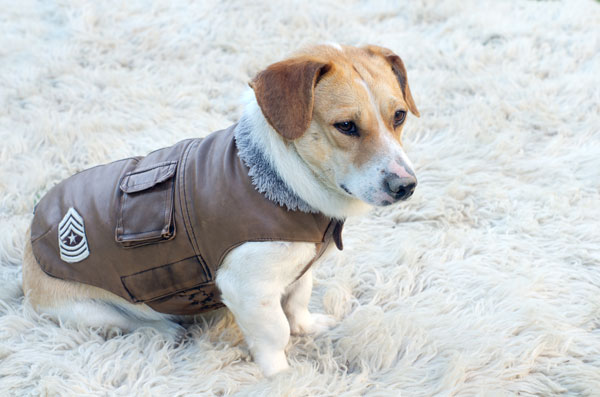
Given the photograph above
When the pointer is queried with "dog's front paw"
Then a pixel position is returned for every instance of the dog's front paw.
(271, 362)
(311, 323)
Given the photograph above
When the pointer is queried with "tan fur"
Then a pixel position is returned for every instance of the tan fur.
(286, 90)
(285, 93)
(399, 71)
(340, 96)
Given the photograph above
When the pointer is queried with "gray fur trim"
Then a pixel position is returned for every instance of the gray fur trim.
(264, 177)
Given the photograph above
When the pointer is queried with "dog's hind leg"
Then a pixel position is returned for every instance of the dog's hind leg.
(77, 303)
(103, 314)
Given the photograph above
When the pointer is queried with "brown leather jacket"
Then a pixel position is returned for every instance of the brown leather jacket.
(155, 229)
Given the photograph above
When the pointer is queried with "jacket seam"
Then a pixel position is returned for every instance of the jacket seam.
(183, 202)
(135, 234)
(159, 165)
(263, 239)
(42, 235)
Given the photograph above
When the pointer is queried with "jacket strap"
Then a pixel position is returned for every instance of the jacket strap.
(333, 232)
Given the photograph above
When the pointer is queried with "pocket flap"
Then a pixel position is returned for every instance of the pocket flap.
(165, 280)
(138, 180)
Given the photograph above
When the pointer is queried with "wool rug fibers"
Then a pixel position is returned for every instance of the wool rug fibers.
(485, 283)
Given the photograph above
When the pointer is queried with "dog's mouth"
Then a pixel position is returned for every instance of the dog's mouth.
(346, 189)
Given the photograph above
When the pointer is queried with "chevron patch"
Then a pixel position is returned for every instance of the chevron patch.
(72, 242)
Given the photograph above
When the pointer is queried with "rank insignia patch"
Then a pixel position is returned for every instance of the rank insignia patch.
(72, 242)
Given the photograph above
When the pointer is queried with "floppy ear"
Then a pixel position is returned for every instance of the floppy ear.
(285, 92)
(400, 72)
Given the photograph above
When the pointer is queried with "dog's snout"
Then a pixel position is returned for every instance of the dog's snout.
(398, 187)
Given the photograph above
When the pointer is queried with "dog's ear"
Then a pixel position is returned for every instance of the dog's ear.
(285, 92)
(400, 72)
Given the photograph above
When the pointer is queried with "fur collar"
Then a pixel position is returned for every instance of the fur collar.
(264, 177)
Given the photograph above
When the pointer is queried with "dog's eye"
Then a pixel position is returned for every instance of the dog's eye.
(347, 127)
(399, 117)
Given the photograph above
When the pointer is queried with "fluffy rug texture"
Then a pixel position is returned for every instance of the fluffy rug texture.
(487, 282)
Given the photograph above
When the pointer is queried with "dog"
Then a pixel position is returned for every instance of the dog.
(319, 141)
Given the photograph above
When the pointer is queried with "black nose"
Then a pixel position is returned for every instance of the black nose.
(399, 188)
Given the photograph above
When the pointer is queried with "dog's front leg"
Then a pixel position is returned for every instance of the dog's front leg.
(252, 281)
(260, 317)
(295, 306)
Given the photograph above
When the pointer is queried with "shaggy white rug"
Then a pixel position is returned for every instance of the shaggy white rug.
(487, 282)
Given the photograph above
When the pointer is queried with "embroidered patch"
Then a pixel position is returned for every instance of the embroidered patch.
(72, 242)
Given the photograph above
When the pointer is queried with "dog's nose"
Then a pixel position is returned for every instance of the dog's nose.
(398, 187)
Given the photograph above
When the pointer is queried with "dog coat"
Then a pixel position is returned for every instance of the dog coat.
(155, 229)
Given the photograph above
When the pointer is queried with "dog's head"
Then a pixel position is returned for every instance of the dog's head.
(344, 108)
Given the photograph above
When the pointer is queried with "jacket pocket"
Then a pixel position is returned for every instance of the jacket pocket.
(146, 206)
(165, 280)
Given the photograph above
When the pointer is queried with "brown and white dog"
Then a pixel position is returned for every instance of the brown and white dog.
(330, 121)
